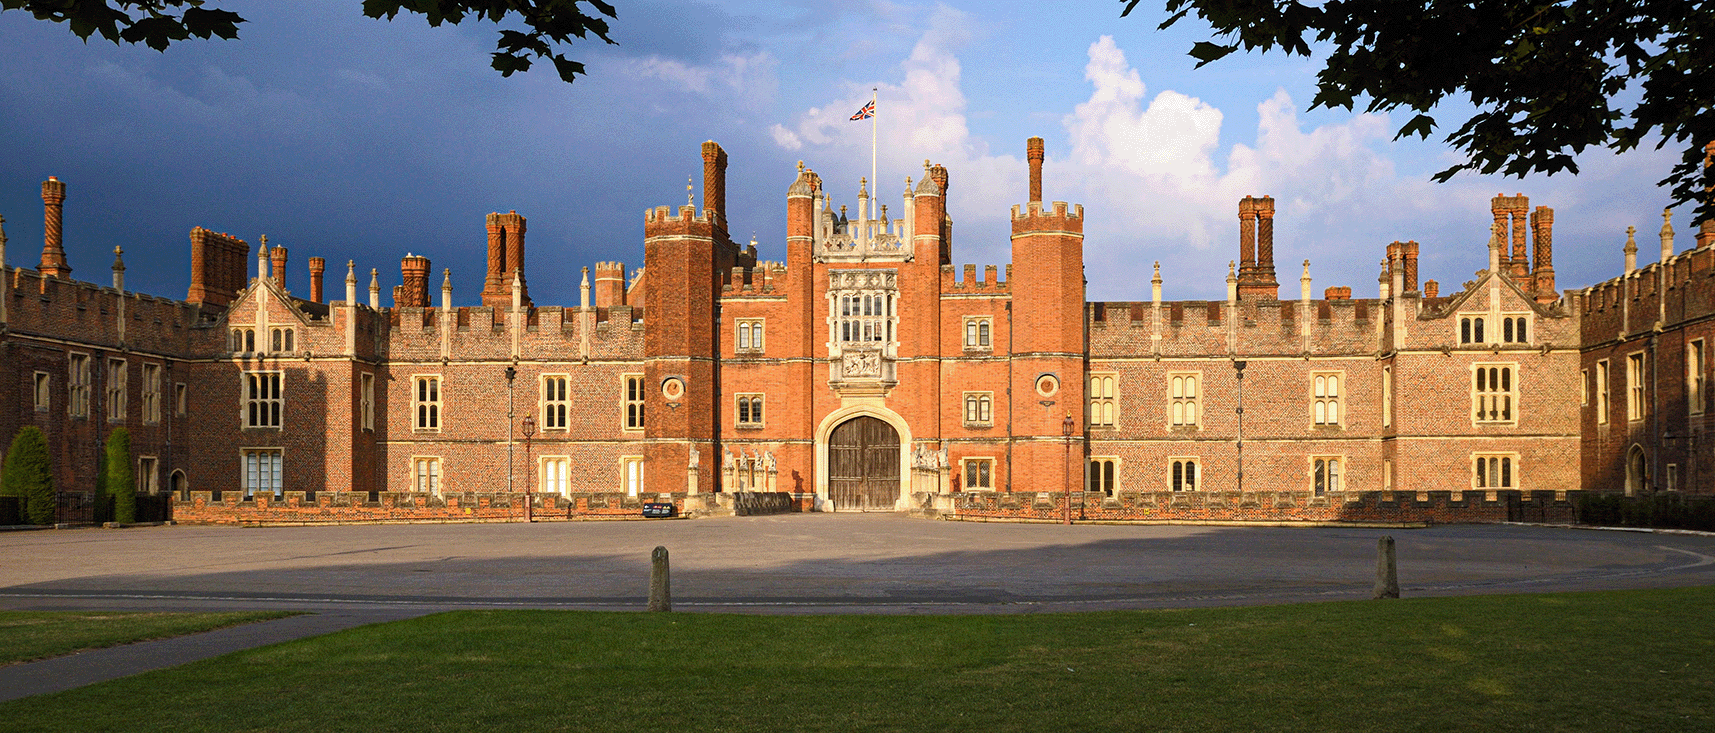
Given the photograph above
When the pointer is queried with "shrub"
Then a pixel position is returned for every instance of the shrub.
(118, 478)
(1664, 511)
(29, 476)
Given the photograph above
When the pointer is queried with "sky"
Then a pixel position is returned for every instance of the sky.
(356, 139)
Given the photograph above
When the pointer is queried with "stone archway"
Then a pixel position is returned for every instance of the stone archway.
(864, 465)
(1637, 471)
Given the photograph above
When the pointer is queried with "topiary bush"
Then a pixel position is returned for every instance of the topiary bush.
(118, 479)
(1662, 511)
(29, 476)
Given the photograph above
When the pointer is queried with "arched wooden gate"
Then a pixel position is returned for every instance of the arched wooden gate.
(863, 465)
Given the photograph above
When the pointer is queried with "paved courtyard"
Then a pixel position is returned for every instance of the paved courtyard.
(814, 563)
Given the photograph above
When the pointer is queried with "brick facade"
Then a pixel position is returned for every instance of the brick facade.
(708, 371)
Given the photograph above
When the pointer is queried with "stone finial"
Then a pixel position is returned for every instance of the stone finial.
(1155, 284)
(262, 259)
(374, 289)
(447, 288)
(118, 269)
(690, 191)
(1666, 235)
(1631, 250)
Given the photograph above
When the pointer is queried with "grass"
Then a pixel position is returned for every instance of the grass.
(1615, 661)
(29, 635)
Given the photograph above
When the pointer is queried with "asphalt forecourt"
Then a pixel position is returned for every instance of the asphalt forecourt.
(813, 564)
(1609, 661)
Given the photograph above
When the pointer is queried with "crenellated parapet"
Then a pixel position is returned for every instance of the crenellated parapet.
(989, 284)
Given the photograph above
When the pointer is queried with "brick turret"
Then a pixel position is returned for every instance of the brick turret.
(1048, 338)
(609, 284)
(53, 241)
(217, 267)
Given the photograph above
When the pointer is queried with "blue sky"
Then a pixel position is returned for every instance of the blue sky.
(356, 139)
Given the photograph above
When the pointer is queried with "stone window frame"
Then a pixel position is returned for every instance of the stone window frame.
(978, 333)
(748, 335)
(1180, 404)
(148, 475)
(1327, 473)
(428, 408)
(151, 393)
(971, 467)
(1583, 387)
(632, 479)
(366, 401)
(883, 325)
(78, 384)
(181, 399)
(1504, 402)
(555, 409)
(978, 409)
(545, 477)
(42, 391)
(257, 410)
(1106, 482)
(1387, 474)
(1696, 376)
(241, 340)
(1101, 400)
(278, 470)
(1178, 481)
(1636, 409)
(428, 475)
(1604, 372)
(748, 412)
(1512, 323)
(1484, 466)
(1323, 404)
(1469, 328)
(632, 393)
(282, 339)
(1387, 396)
(118, 388)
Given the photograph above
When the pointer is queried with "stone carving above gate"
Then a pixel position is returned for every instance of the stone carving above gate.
(863, 321)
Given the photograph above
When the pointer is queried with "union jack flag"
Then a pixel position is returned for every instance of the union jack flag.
(867, 112)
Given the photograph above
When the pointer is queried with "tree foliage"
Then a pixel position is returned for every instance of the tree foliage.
(1549, 79)
(29, 475)
(540, 25)
(118, 477)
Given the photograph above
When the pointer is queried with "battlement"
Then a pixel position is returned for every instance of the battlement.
(664, 214)
(990, 282)
(1670, 292)
(1266, 327)
(751, 282)
(39, 304)
(1054, 210)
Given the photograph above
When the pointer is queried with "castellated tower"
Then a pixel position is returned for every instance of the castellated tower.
(685, 254)
(505, 260)
(1048, 336)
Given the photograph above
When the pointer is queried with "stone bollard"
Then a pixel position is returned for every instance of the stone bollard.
(660, 589)
(1387, 569)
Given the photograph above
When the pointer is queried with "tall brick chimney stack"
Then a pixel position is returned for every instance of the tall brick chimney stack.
(1033, 152)
(1542, 270)
(53, 241)
(217, 267)
(317, 267)
(414, 278)
(1521, 258)
(505, 260)
(1256, 224)
(1247, 240)
(1409, 253)
(714, 184)
(278, 256)
(938, 173)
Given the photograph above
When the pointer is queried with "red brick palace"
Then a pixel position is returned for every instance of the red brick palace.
(868, 371)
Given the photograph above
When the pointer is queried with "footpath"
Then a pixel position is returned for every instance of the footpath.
(100, 665)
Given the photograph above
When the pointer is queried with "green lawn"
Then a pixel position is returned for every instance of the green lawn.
(1635, 660)
(27, 635)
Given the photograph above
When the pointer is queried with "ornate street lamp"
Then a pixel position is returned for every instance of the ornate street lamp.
(1239, 369)
(1066, 427)
(530, 483)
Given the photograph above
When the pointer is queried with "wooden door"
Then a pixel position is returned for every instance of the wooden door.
(863, 465)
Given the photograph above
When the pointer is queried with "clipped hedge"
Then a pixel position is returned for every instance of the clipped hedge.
(118, 477)
(29, 476)
(1658, 511)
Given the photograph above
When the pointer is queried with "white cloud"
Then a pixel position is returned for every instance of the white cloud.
(751, 80)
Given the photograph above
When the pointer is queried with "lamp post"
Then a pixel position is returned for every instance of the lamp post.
(1066, 426)
(529, 483)
(511, 374)
(1239, 369)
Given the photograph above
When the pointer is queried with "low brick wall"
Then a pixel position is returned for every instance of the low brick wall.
(748, 503)
(337, 507)
(1359, 507)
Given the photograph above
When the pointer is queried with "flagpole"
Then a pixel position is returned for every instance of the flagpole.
(873, 119)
